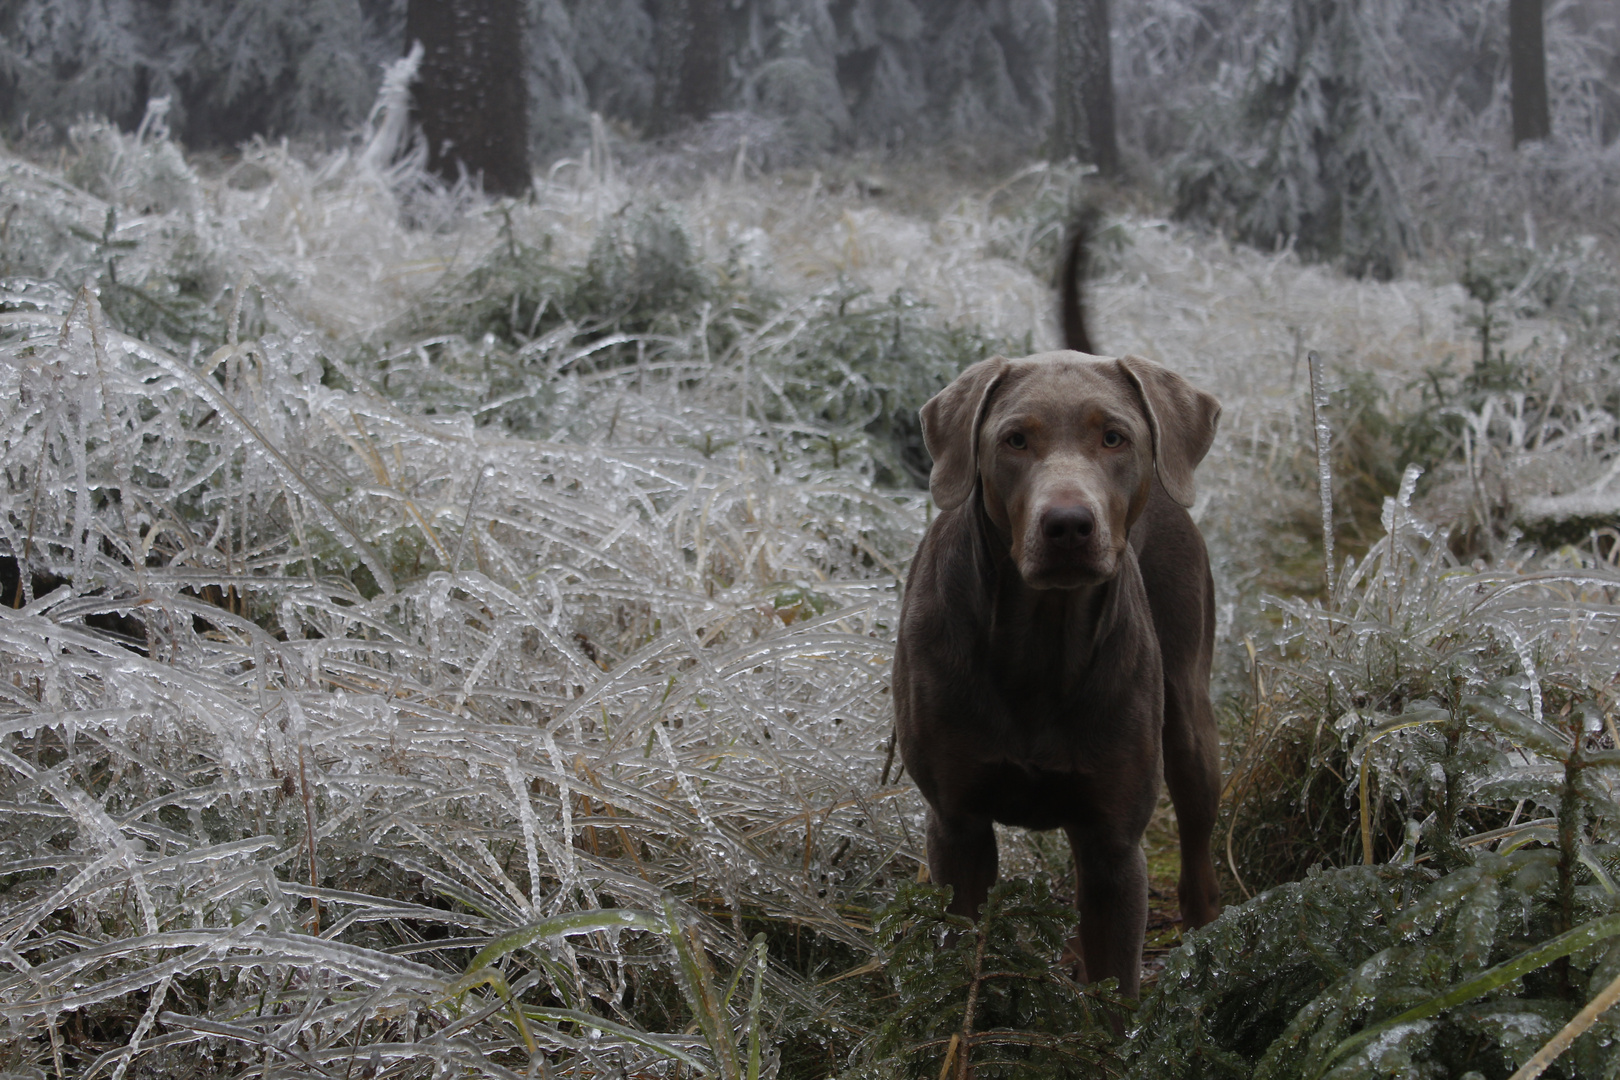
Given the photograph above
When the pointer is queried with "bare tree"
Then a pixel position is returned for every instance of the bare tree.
(1083, 91)
(689, 82)
(1527, 53)
(471, 95)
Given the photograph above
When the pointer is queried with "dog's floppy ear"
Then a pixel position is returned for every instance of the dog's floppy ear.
(1182, 419)
(950, 423)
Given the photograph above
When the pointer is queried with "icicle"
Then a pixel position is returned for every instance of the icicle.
(565, 801)
(531, 833)
(1528, 661)
(1324, 462)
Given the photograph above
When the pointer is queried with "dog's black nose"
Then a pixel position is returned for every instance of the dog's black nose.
(1068, 526)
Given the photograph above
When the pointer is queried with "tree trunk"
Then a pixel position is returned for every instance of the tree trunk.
(690, 80)
(1083, 120)
(1527, 51)
(471, 95)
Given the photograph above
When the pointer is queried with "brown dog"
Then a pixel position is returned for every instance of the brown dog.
(1057, 631)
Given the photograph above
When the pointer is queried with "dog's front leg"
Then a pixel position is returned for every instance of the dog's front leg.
(1112, 877)
(962, 854)
(1192, 771)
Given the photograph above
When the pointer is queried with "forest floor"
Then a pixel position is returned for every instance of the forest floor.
(651, 668)
(976, 245)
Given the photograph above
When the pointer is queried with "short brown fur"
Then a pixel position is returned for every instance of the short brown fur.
(1057, 630)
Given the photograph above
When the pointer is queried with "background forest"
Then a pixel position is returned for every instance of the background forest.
(447, 633)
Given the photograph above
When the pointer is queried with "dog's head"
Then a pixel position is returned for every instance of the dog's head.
(1063, 448)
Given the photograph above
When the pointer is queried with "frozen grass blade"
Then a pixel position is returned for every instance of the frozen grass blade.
(1601, 1003)
(578, 922)
(756, 1001)
(1483, 983)
(697, 986)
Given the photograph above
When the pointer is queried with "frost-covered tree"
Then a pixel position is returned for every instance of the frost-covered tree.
(1307, 151)
(614, 54)
(797, 84)
(559, 109)
(471, 92)
(63, 58)
(268, 67)
(1261, 100)
(833, 72)
(926, 70)
(232, 70)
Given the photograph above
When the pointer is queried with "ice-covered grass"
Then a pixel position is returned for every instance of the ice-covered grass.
(346, 647)
(1453, 732)
(375, 686)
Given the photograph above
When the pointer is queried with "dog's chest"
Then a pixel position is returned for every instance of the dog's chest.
(1044, 662)
(1041, 725)
(1024, 794)
(1037, 757)
(1061, 701)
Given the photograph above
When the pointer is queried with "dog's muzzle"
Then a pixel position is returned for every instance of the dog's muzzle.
(1068, 549)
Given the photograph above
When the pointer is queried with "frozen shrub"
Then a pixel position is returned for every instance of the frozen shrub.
(1442, 726)
(1515, 430)
(569, 641)
(342, 688)
(1230, 992)
(509, 295)
(158, 275)
(146, 175)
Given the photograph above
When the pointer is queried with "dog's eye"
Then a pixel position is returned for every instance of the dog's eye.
(1017, 441)
(1112, 439)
